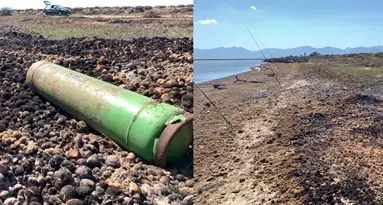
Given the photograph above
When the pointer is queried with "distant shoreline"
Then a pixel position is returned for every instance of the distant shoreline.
(226, 59)
(217, 80)
(231, 76)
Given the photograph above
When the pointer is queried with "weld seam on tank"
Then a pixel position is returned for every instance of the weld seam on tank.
(136, 116)
(50, 81)
(35, 71)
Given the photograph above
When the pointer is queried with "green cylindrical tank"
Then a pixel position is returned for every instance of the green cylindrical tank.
(159, 133)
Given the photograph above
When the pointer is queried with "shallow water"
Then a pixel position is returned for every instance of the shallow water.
(206, 70)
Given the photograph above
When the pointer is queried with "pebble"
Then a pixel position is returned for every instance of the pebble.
(103, 184)
(56, 158)
(93, 161)
(189, 200)
(32, 180)
(31, 148)
(113, 161)
(10, 201)
(83, 191)
(68, 192)
(69, 165)
(87, 182)
(3, 169)
(82, 127)
(127, 201)
(54, 199)
(146, 189)
(62, 179)
(73, 123)
(161, 81)
(114, 190)
(84, 172)
(161, 189)
(32, 192)
(171, 83)
(133, 187)
(24, 114)
(164, 179)
(19, 170)
(74, 202)
(73, 154)
(18, 187)
(185, 191)
(60, 121)
(189, 183)
(2, 179)
(166, 98)
(4, 194)
(180, 177)
(187, 100)
(235, 190)
(131, 156)
(82, 162)
(172, 197)
(99, 191)
(41, 180)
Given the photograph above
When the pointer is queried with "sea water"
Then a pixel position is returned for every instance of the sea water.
(206, 70)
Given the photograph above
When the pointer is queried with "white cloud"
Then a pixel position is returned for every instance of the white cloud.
(253, 7)
(207, 21)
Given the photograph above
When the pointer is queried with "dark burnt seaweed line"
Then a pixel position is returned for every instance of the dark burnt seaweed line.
(319, 186)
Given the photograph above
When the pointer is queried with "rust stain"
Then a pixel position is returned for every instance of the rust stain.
(165, 140)
(114, 90)
(99, 107)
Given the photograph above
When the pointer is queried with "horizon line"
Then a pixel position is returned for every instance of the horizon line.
(290, 48)
(102, 6)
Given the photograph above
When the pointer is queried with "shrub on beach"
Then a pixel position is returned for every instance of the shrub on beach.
(151, 14)
(6, 11)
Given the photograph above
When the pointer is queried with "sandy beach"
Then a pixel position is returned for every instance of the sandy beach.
(314, 140)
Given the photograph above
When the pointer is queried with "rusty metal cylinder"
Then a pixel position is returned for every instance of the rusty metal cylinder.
(159, 133)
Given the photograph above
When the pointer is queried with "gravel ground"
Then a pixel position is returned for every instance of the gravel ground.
(316, 140)
(49, 157)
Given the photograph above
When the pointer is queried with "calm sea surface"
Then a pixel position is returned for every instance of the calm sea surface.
(205, 70)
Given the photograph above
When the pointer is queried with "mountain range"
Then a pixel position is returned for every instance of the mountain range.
(242, 53)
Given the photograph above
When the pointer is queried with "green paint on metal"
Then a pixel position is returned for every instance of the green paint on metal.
(134, 121)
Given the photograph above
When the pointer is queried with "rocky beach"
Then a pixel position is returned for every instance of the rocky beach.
(49, 157)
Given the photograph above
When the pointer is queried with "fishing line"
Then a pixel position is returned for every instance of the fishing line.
(275, 76)
(264, 48)
(219, 111)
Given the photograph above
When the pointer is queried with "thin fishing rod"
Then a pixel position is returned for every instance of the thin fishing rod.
(264, 48)
(275, 76)
(211, 102)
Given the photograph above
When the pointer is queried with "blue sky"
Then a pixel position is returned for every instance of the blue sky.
(288, 24)
(22, 4)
